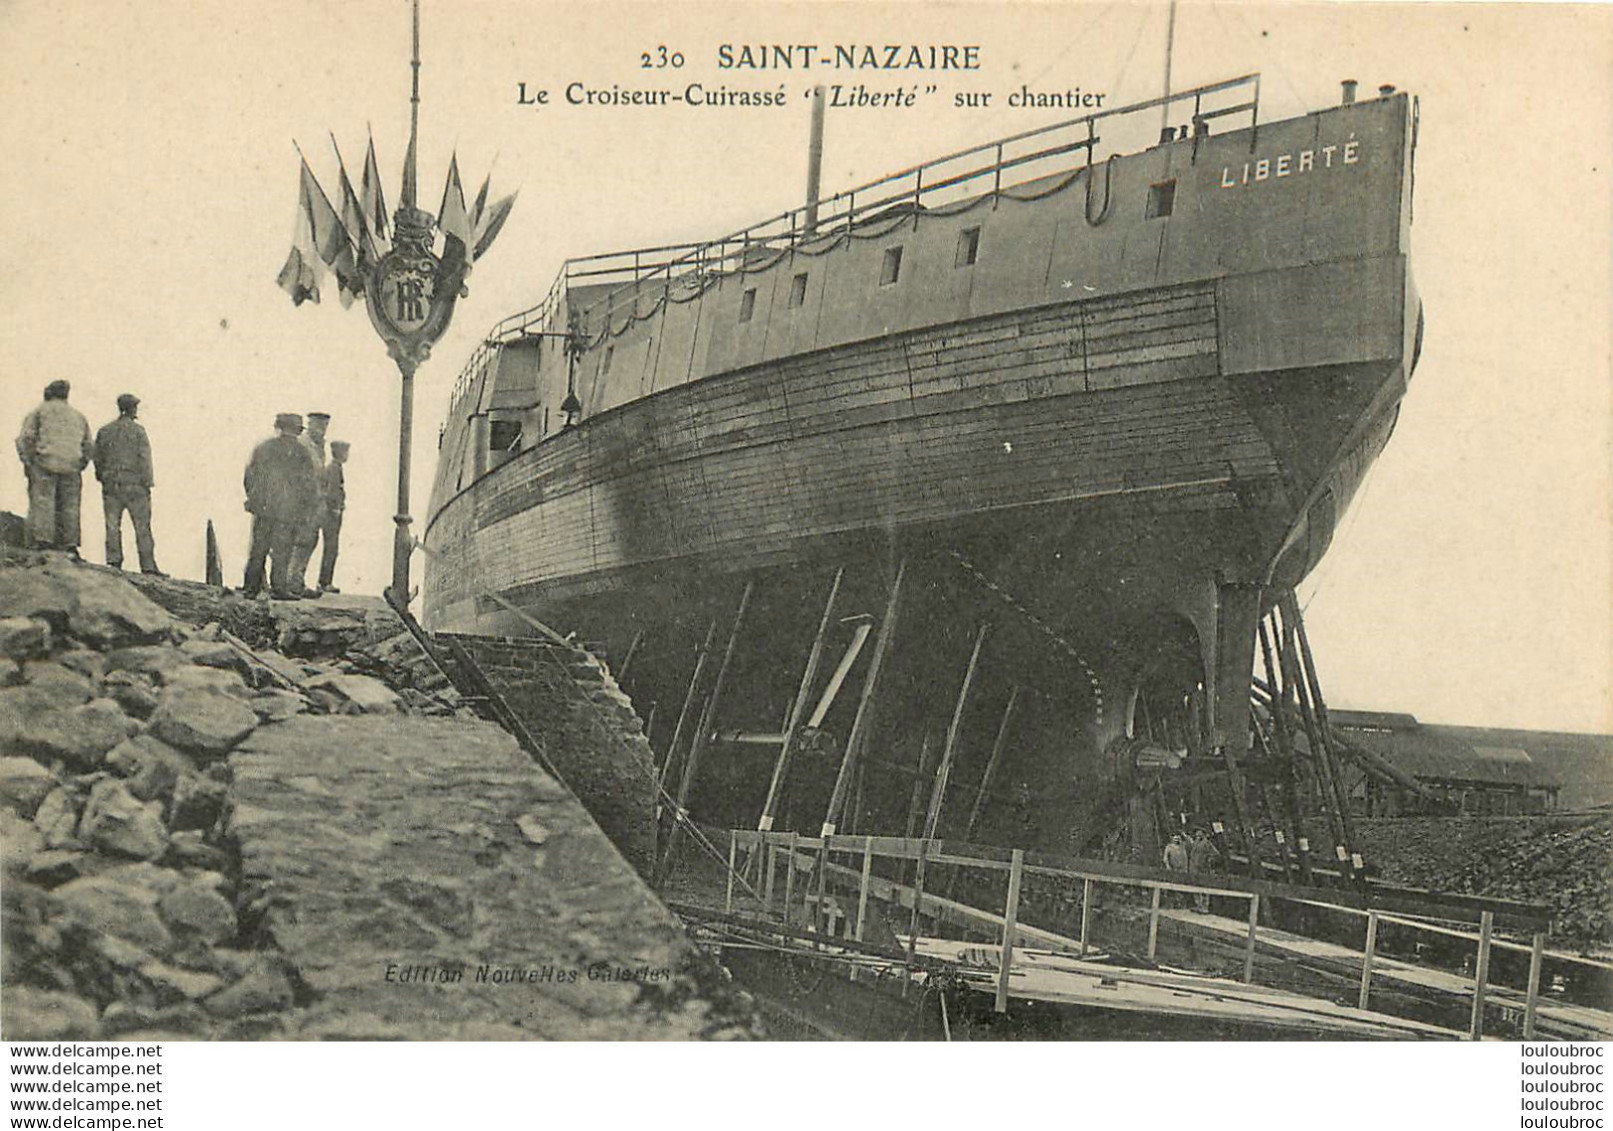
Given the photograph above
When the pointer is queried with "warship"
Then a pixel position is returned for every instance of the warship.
(1056, 420)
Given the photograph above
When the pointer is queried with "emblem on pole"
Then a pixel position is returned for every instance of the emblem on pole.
(411, 290)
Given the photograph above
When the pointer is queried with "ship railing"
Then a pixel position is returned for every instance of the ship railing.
(990, 171)
(810, 869)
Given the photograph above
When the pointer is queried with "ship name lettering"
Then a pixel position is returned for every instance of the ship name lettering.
(1291, 164)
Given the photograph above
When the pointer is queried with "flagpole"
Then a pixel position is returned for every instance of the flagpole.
(403, 540)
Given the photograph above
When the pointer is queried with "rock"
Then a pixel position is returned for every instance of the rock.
(126, 1017)
(90, 665)
(122, 903)
(197, 803)
(154, 660)
(19, 705)
(116, 821)
(24, 783)
(132, 694)
(370, 696)
(31, 593)
(20, 842)
(10, 672)
(66, 687)
(173, 984)
(24, 638)
(56, 866)
(151, 765)
(213, 654)
(273, 706)
(80, 736)
(205, 723)
(109, 612)
(188, 848)
(264, 988)
(196, 911)
(57, 818)
(532, 828)
(208, 679)
(47, 1015)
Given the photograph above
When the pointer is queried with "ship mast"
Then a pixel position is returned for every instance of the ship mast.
(1170, 44)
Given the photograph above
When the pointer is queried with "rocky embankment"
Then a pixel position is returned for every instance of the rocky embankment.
(122, 904)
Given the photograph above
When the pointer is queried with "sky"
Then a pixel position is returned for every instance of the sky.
(151, 186)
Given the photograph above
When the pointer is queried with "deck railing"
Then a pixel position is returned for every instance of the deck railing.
(1407, 907)
(991, 169)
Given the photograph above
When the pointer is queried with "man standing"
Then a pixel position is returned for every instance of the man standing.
(1203, 861)
(281, 488)
(335, 500)
(55, 448)
(123, 465)
(308, 531)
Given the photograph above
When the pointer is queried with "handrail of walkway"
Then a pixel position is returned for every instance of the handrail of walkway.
(812, 855)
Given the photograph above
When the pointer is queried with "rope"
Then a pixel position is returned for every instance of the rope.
(1045, 628)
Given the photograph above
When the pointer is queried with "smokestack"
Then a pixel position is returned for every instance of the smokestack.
(1349, 86)
(814, 162)
(1386, 90)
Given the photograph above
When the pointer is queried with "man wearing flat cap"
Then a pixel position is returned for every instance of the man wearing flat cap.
(281, 488)
(55, 448)
(313, 520)
(123, 465)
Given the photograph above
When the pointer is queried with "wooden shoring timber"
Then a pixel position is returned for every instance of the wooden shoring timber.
(991, 763)
(708, 715)
(1384, 898)
(851, 757)
(1290, 792)
(792, 729)
(688, 702)
(1322, 771)
(948, 752)
(1319, 705)
(632, 650)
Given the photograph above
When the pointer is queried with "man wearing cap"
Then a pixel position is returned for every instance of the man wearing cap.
(281, 487)
(314, 519)
(334, 495)
(55, 448)
(123, 465)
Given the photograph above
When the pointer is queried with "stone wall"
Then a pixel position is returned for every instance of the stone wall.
(588, 728)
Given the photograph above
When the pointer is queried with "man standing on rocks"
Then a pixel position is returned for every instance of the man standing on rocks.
(55, 448)
(314, 519)
(123, 465)
(335, 499)
(281, 488)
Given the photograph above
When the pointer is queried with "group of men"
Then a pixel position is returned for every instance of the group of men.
(295, 492)
(296, 496)
(55, 447)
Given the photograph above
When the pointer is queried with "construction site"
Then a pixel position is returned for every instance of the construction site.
(228, 818)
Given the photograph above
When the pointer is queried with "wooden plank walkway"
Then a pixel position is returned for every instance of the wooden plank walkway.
(1553, 1019)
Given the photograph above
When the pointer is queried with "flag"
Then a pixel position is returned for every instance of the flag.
(451, 215)
(374, 202)
(491, 222)
(331, 240)
(353, 220)
(481, 203)
(302, 272)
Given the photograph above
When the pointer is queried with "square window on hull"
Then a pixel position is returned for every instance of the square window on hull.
(968, 248)
(891, 269)
(798, 290)
(747, 304)
(1161, 199)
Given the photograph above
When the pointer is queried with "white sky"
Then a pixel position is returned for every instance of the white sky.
(151, 183)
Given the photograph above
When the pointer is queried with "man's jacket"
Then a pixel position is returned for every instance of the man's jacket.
(281, 480)
(55, 437)
(123, 454)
